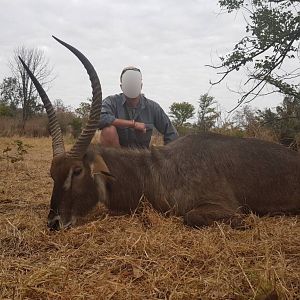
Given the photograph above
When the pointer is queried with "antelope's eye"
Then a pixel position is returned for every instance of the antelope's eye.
(77, 171)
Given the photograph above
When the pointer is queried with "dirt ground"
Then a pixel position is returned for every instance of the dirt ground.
(144, 256)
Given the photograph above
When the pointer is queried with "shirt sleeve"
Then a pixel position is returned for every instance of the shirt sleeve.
(163, 124)
(108, 112)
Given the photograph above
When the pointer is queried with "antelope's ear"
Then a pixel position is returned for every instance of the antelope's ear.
(109, 175)
(98, 166)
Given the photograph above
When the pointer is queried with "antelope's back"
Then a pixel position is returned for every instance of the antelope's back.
(261, 175)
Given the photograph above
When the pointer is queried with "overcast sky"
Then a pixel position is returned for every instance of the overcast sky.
(170, 40)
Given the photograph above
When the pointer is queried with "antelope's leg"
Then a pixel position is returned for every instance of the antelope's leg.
(207, 214)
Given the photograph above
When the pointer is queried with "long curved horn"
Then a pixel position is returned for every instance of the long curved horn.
(55, 131)
(86, 136)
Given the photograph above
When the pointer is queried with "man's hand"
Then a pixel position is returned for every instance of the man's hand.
(140, 126)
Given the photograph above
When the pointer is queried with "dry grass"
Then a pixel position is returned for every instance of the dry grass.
(35, 127)
(143, 256)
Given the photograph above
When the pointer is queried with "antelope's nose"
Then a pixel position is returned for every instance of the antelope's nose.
(53, 223)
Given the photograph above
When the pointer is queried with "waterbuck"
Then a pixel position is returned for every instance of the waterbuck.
(204, 177)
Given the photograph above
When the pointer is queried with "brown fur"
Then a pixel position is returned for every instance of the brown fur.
(204, 178)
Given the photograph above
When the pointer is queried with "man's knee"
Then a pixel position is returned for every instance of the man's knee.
(109, 136)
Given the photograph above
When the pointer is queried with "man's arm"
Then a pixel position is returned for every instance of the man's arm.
(129, 124)
(163, 124)
(108, 117)
(108, 113)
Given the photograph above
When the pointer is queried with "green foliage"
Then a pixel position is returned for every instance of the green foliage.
(83, 111)
(207, 113)
(16, 152)
(285, 121)
(76, 125)
(10, 93)
(5, 110)
(82, 116)
(272, 38)
(32, 107)
(181, 112)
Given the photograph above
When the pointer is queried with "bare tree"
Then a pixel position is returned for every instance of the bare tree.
(39, 65)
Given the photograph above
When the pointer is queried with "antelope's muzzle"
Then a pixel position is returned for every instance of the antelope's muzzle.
(53, 221)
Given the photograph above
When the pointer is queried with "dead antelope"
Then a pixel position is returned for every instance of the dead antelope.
(204, 178)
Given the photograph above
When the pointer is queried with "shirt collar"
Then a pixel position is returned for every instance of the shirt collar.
(142, 101)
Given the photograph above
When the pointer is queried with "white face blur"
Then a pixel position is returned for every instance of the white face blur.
(131, 84)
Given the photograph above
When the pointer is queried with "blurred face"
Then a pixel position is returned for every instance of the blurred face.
(131, 84)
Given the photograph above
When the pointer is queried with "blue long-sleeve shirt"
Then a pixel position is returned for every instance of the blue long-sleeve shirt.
(148, 112)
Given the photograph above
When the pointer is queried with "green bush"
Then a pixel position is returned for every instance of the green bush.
(5, 110)
(76, 125)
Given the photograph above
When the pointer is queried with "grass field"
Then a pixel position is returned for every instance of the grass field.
(144, 256)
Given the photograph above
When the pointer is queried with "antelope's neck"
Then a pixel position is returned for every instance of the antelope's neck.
(134, 172)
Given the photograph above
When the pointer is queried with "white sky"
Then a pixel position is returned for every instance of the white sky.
(170, 40)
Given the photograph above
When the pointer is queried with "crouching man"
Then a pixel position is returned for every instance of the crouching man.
(128, 119)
